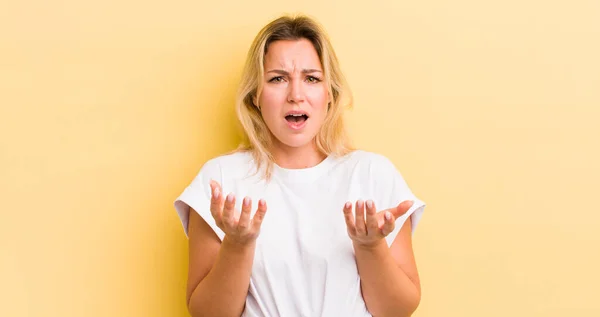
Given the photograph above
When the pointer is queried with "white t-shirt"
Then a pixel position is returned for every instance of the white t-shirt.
(304, 262)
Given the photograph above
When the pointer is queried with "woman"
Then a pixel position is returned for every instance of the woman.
(320, 250)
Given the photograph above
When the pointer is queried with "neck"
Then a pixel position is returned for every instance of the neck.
(296, 158)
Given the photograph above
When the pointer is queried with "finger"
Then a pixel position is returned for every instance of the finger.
(215, 184)
(244, 222)
(402, 208)
(215, 188)
(259, 215)
(216, 202)
(372, 226)
(388, 224)
(360, 218)
(228, 210)
(349, 219)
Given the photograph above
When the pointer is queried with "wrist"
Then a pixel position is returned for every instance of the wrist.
(370, 247)
(231, 243)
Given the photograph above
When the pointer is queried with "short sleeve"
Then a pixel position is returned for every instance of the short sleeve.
(197, 195)
(393, 190)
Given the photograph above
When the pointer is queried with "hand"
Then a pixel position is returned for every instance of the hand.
(377, 225)
(238, 227)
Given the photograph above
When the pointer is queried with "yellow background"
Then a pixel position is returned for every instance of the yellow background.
(489, 109)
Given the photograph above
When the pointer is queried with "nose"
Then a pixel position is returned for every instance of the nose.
(295, 93)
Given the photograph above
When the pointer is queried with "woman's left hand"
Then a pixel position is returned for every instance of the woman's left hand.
(368, 230)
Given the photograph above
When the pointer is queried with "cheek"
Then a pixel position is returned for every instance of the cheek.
(318, 99)
(271, 97)
(270, 103)
(318, 93)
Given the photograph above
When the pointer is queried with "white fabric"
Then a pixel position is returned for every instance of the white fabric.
(304, 263)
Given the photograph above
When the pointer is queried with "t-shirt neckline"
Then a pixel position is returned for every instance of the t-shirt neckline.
(303, 174)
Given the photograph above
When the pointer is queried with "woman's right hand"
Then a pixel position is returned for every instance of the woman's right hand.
(238, 227)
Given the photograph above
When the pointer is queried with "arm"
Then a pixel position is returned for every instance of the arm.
(219, 273)
(389, 279)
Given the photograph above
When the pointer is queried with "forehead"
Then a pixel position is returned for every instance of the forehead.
(292, 53)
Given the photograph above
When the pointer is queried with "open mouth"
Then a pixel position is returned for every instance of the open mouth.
(296, 118)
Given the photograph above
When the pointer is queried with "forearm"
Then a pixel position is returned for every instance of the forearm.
(386, 289)
(224, 289)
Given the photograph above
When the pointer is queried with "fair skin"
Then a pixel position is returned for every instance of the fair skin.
(219, 272)
(294, 82)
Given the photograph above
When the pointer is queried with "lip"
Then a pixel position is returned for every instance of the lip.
(293, 125)
(293, 112)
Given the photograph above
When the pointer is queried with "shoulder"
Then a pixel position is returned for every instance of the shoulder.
(368, 168)
(228, 161)
(230, 165)
(374, 161)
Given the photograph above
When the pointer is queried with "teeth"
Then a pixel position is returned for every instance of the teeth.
(296, 115)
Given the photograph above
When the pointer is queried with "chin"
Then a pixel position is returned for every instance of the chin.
(296, 144)
(297, 141)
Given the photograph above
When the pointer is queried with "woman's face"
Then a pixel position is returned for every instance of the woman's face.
(294, 98)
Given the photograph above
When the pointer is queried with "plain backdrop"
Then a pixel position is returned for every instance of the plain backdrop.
(489, 109)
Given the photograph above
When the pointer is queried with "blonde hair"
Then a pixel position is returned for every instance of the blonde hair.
(332, 139)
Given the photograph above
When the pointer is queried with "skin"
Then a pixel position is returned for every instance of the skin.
(294, 81)
(219, 272)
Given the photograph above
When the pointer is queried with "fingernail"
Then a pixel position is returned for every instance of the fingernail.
(369, 204)
(388, 216)
(217, 193)
(348, 205)
(230, 197)
(246, 201)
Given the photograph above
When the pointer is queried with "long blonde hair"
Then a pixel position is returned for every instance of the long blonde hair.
(332, 139)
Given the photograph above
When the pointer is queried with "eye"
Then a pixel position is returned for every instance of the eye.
(313, 79)
(277, 79)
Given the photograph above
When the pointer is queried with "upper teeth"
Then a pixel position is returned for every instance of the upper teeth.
(296, 114)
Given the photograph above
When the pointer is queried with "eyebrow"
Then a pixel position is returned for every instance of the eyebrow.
(304, 71)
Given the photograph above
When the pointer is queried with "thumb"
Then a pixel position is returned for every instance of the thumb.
(402, 208)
